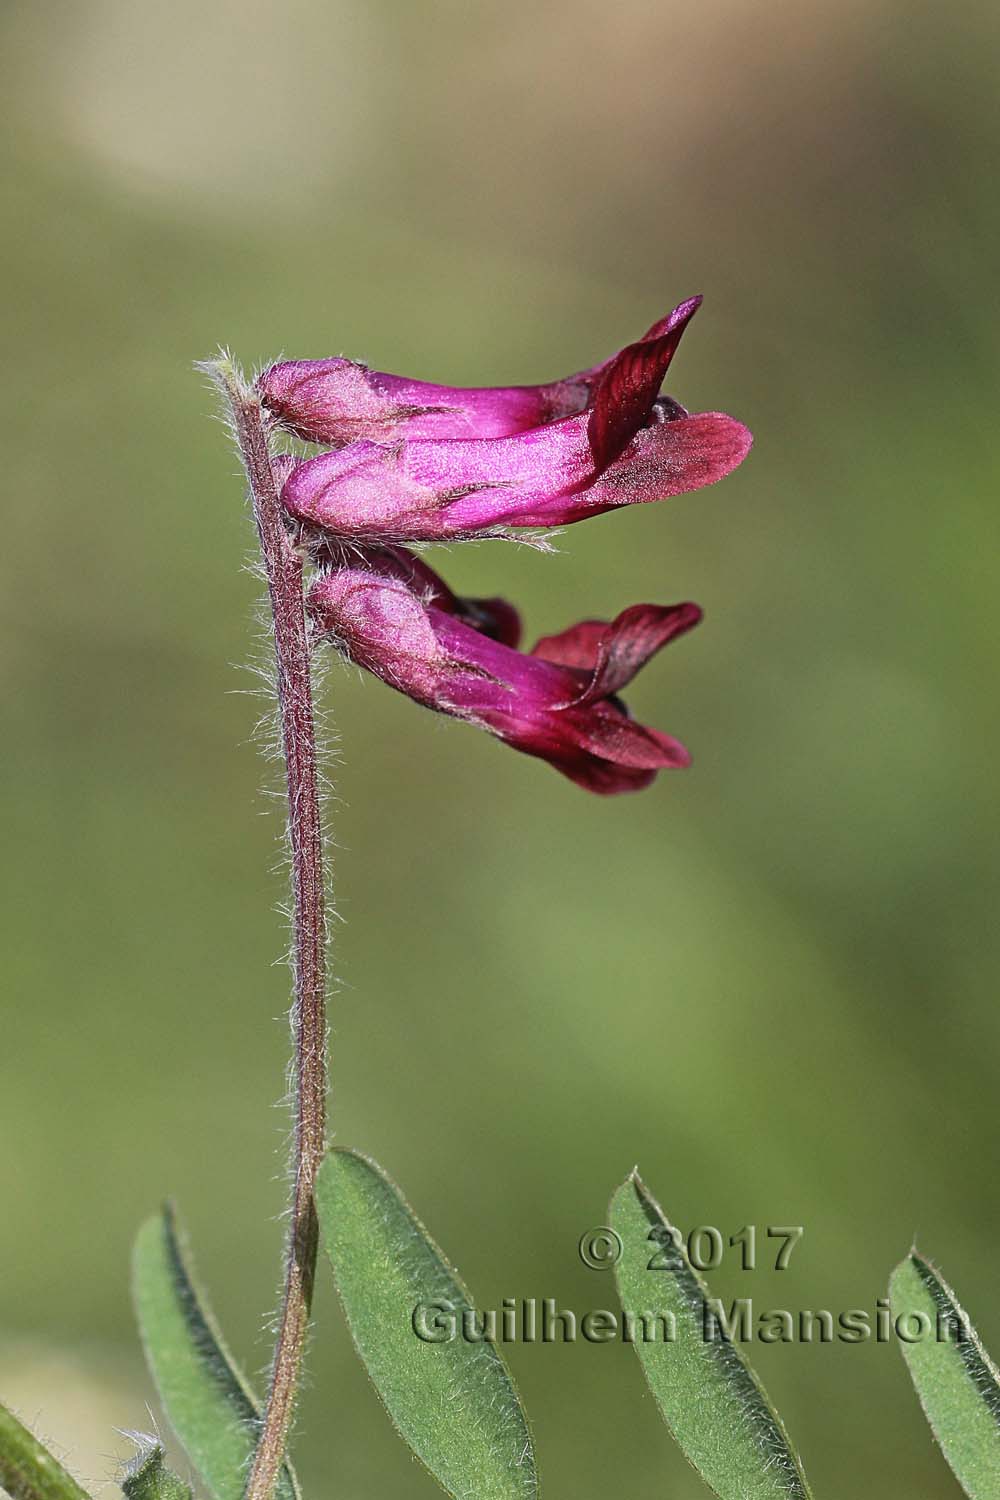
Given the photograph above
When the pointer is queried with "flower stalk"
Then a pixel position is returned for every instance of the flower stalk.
(410, 463)
(283, 567)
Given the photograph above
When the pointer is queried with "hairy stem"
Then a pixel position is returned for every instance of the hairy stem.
(283, 567)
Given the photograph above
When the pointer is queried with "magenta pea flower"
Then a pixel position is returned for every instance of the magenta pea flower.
(389, 613)
(338, 401)
(629, 446)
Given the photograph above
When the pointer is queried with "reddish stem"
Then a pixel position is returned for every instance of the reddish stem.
(283, 567)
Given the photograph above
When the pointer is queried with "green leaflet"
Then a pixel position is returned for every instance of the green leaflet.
(957, 1382)
(708, 1395)
(27, 1469)
(147, 1477)
(453, 1402)
(210, 1406)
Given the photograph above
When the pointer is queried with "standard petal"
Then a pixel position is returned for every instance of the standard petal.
(339, 401)
(631, 640)
(624, 397)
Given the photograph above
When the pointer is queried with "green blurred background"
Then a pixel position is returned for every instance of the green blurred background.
(771, 981)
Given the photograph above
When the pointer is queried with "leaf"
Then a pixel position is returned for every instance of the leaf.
(708, 1395)
(28, 1470)
(210, 1405)
(147, 1477)
(453, 1401)
(957, 1382)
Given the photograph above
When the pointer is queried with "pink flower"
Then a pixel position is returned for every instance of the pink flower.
(389, 613)
(338, 401)
(628, 447)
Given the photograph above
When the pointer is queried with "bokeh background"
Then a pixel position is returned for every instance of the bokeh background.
(771, 981)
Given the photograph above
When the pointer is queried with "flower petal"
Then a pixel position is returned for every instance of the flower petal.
(624, 398)
(603, 776)
(612, 753)
(435, 657)
(431, 491)
(614, 653)
(631, 639)
(576, 647)
(340, 401)
(605, 729)
(493, 617)
(382, 625)
(668, 459)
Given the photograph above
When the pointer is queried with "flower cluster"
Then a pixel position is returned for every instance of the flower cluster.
(407, 462)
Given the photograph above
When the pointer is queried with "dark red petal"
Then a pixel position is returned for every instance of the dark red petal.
(576, 647)
(604, 778)
(614, 653)
(624, 398)
(629, 641)
(605, 751)
(496, 618)
(668, 458)
(604, 730)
